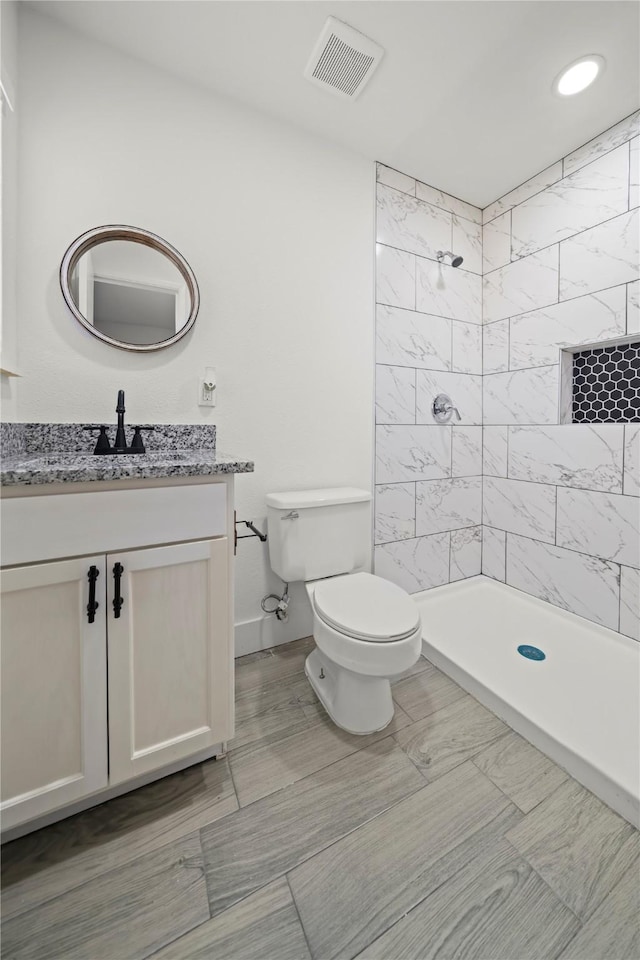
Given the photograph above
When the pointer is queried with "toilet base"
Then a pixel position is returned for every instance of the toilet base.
(356, 703)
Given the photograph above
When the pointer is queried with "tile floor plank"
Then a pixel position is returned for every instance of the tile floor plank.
(578, 845)
(425, 692)
(126, 914)
(281, 664)
(277, 761)
(264, 926)
(522, 772)
(450, 736)
(265, 840)
(497, 907)
(612, 932)
(352, 891)
(272, 699)
(48, 862)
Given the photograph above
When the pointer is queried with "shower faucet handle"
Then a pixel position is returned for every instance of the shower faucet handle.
(442, 408)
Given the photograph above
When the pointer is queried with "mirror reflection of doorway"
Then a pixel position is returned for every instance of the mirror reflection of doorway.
(135, 313)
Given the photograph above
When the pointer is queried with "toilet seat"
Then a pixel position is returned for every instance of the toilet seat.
(366, 607)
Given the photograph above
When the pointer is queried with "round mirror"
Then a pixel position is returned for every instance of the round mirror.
(129, 287)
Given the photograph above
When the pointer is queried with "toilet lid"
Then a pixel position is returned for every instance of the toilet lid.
(366, 607)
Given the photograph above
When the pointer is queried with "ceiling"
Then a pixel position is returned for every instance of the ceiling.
(461, 100)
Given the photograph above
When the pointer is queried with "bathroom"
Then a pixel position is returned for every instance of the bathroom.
(267, 186)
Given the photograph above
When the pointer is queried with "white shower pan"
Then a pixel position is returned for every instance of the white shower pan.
(580, 705)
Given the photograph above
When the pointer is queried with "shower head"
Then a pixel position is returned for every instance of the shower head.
(455, 259)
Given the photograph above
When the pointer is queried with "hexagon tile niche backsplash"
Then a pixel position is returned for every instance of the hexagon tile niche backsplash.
(606, 384)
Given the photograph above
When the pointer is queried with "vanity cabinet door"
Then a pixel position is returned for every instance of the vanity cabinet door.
(53, 669)
(170, 657)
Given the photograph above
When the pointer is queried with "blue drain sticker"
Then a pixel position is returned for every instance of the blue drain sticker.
(531, 653)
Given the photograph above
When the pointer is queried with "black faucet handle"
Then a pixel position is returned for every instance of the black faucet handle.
(137, 446)
(102, 443)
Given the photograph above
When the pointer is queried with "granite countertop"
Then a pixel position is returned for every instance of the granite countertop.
(57, 453)
(80, 468)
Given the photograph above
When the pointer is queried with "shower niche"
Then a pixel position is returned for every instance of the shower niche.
(601, 383)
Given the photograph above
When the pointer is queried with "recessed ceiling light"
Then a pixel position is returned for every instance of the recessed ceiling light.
(578, 75)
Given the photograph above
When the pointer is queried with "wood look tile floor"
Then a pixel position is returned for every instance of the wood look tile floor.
(446, 835)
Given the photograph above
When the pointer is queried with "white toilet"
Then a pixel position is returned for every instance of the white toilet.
(366, 629)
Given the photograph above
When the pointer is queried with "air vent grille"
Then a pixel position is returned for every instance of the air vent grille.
(343, 59)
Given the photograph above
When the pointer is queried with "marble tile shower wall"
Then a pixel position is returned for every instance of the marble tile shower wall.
(428, 496)
(561, 511)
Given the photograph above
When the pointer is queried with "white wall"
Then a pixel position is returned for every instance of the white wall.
(277, 226)
(9, 175)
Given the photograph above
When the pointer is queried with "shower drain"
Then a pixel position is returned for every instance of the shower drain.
(531, 653)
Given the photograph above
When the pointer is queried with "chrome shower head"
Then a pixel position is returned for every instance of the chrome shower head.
(455, 259)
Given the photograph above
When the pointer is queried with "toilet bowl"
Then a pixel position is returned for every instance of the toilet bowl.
(366, 629)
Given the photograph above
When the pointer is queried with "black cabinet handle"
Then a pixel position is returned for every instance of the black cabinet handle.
(93, 604)
(118, 570)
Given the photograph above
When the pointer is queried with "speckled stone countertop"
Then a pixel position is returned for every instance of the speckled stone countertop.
(62, 453)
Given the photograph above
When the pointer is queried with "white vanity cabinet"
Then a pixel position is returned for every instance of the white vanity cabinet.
(96, 698)
(54, 688)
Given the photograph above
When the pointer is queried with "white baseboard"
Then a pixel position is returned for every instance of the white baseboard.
(265, 632)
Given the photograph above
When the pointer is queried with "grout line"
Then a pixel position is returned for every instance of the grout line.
(426, 536)
(562, 161)
(548, 246)
(295, 907)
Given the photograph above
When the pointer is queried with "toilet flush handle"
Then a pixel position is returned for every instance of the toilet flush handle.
(292, 515)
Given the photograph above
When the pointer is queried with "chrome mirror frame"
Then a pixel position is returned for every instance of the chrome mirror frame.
(97, 235)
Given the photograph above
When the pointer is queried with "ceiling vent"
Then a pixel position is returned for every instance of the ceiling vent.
(343, 59)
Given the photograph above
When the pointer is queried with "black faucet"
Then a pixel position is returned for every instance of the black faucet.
(120, 446)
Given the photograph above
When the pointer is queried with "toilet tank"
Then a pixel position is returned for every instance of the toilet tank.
(318, 533)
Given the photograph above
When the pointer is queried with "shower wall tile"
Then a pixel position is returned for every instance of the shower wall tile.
(601, 257)
(434, 345)
(495, 347)
(570, 455)
(448, 291)
(466, 455)
(583, 585)
(410, 224)
(633, 307)
(395, 512)
(599, 524)
(597, 192)
(630, 602)
(634, 173)
(446, 202)
(395, 277)
(521, 286)
(496, 243)
(494, 550)
(395, 394)
(495, 450)
(406, 453)
(448, 504)
(393, 178)
(631, 486)
(466, 553)
(466, 345)
(409, 339)
(523, 192)
(603, 143)
(416, 564)
(519, 507)
(465, 392)
(537, 337)
(466, 240)
(524, 396)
